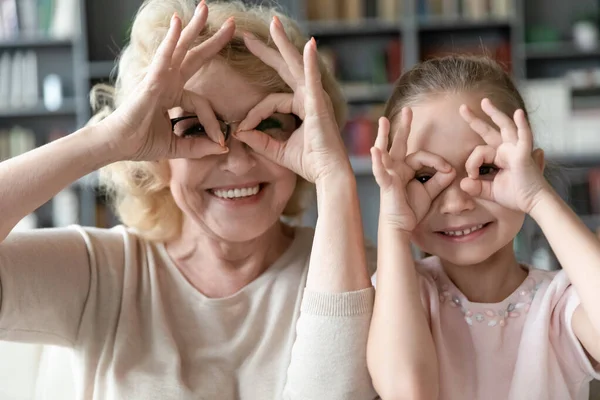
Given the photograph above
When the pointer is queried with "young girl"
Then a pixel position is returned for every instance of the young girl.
(471, 322)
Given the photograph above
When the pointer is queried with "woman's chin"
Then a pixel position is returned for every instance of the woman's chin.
(237, 232)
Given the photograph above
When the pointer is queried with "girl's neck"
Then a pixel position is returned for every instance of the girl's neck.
(490, 281)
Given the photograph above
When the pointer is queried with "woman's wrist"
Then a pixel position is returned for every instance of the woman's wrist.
(99, 148)
(342, 180)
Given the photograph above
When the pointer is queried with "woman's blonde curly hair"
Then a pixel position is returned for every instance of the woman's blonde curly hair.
(139, 191)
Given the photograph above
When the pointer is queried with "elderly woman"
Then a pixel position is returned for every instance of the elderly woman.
(220, 129)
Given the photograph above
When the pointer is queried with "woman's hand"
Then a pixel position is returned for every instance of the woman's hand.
(140, 128)
(503, 170)
(408, 184)
(315, 150)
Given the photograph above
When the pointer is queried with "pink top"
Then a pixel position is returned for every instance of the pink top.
(521, 348)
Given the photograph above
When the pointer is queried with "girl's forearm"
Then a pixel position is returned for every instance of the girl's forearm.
(575, 246)
(400, 353)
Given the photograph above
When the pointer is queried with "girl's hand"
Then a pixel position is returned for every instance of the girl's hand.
(315, 150)
(408, 184)
(503, 170)
(140, 128)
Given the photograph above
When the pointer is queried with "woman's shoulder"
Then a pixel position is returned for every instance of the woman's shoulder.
(115, 245)
(114, 237)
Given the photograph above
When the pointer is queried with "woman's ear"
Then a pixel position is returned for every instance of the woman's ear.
(539, 158)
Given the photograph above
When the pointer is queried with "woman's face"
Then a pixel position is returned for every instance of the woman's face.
(239, 195)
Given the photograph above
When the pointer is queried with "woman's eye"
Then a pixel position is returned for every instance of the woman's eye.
(487, 169)
(423, 178)
(274, 128)
(194, 130)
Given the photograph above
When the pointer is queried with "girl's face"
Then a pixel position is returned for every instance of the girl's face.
(437, 127)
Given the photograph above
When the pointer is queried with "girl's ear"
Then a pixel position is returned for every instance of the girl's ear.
(538, 157)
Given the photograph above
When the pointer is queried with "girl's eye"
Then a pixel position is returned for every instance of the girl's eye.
(269, 123)
(423, 178)
(488, 169)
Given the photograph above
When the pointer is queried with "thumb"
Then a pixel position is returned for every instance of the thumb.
(477, 188)
(438, 182)
(194, 148)
(263, 144)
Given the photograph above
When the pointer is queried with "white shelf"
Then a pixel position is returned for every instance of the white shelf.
(462, 24)
(366, 92)
(67, 108)
(34, 42)
(558, 51)
(367, 26)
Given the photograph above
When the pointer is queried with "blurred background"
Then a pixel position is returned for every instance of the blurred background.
(53, 51)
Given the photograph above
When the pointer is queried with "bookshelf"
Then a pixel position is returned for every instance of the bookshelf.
(34, 42)
(366, 43)
(421, 34)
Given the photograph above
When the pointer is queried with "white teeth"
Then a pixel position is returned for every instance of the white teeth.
(463, 232)
(237, 193)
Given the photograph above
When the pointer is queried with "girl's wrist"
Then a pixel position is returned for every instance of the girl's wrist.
(544, 198)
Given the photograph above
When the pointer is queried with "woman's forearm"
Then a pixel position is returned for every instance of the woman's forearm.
(338, 262)
(33, 178)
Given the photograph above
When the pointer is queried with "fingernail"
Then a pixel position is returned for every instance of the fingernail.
(199, 8)
(225, 150)
(276, 20)
(228, 22)
(314, 42)
(173, 17)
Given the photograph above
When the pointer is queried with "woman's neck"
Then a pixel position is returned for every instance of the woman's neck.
(219, 269)
(490, 281)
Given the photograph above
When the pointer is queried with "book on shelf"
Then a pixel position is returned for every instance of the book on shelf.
(594, 190)
(360, 131)
(16, 141)
(475, 10)
(353, 10)
(18, 80)
(38, 18)
(379, 65)
(497, 50)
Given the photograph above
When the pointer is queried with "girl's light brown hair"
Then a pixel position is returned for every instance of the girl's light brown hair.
(455, 74)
